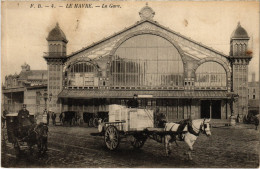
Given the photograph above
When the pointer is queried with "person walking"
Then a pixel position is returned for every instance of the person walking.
(53, 117)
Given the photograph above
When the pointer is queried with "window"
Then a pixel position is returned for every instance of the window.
(253, 96)
(82, 74)
(147, 60)
(211, 74)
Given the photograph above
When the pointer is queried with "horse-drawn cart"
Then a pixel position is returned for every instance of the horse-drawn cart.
(138, 124)
(22, 138)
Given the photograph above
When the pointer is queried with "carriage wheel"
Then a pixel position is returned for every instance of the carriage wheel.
(105, 120)
(138, 142)
(112, 137)
(90, 122)
(95, 122)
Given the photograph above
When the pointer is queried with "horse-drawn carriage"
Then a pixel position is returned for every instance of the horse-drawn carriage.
(138, 124)
(27, 137)
(93, 118)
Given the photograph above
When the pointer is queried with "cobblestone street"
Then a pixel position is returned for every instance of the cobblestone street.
(74, 147)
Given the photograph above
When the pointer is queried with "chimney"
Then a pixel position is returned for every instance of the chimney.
(253, 77)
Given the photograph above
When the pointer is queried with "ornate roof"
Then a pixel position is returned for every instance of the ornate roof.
(240, 32)
(56, 34)
(191, 48)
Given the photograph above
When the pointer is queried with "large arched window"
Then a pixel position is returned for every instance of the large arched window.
(82, 74)
(147, 60)
(211, 74)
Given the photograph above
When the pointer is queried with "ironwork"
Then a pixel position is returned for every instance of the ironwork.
(147, 60)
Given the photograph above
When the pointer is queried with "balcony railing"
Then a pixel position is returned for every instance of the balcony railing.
(54, 54)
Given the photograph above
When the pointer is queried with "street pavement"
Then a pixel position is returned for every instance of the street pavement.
(229, 147)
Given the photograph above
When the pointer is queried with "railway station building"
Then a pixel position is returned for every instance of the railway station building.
(180, 76)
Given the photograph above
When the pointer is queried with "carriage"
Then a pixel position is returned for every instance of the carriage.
(136, 124)
(139, 125)
(93, 118)
(37, 134)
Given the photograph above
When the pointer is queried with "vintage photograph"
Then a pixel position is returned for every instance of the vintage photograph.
(130, 84)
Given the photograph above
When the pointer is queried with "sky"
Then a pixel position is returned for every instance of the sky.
(25, 27)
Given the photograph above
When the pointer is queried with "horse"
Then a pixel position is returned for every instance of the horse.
(37, 135)
(190, 131)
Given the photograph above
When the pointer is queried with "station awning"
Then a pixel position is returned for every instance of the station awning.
(13, 90)
(89, 94)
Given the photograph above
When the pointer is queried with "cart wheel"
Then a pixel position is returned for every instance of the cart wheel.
(138, 142)
(90, 122)
(95, 122)
(112, 137)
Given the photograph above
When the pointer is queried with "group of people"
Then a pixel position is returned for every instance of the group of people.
(47, 115)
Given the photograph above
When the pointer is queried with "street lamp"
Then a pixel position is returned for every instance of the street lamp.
(45, 97)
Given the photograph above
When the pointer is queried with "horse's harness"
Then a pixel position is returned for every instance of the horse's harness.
(191, 128)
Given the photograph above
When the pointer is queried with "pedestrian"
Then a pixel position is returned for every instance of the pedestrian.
(53, 117)
(62, 116)
(3, 117)
(238, 119)
(133, 103)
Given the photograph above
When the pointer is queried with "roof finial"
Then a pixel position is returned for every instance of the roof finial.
(57, 24)
(146, 13)
(238, 24)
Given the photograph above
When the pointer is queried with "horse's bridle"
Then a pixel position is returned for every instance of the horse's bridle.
(196, 133)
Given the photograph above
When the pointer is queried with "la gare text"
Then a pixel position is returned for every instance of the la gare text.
(78, 5)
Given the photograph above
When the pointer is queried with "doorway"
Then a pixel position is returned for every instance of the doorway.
(211, 108)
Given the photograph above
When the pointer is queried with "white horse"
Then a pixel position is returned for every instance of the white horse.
(189, 134)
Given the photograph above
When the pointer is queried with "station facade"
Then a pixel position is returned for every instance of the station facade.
(180, 76)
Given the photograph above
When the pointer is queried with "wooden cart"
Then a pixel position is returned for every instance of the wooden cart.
(113, 132)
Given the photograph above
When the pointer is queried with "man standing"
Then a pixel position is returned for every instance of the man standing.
(24, 120)
(4, 118)
(133, 103)
(53, 117)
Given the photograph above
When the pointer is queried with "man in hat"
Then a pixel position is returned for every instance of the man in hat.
(24, 121)
(133, 103)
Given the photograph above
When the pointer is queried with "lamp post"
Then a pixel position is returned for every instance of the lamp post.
(233, 98)
(46, 97)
